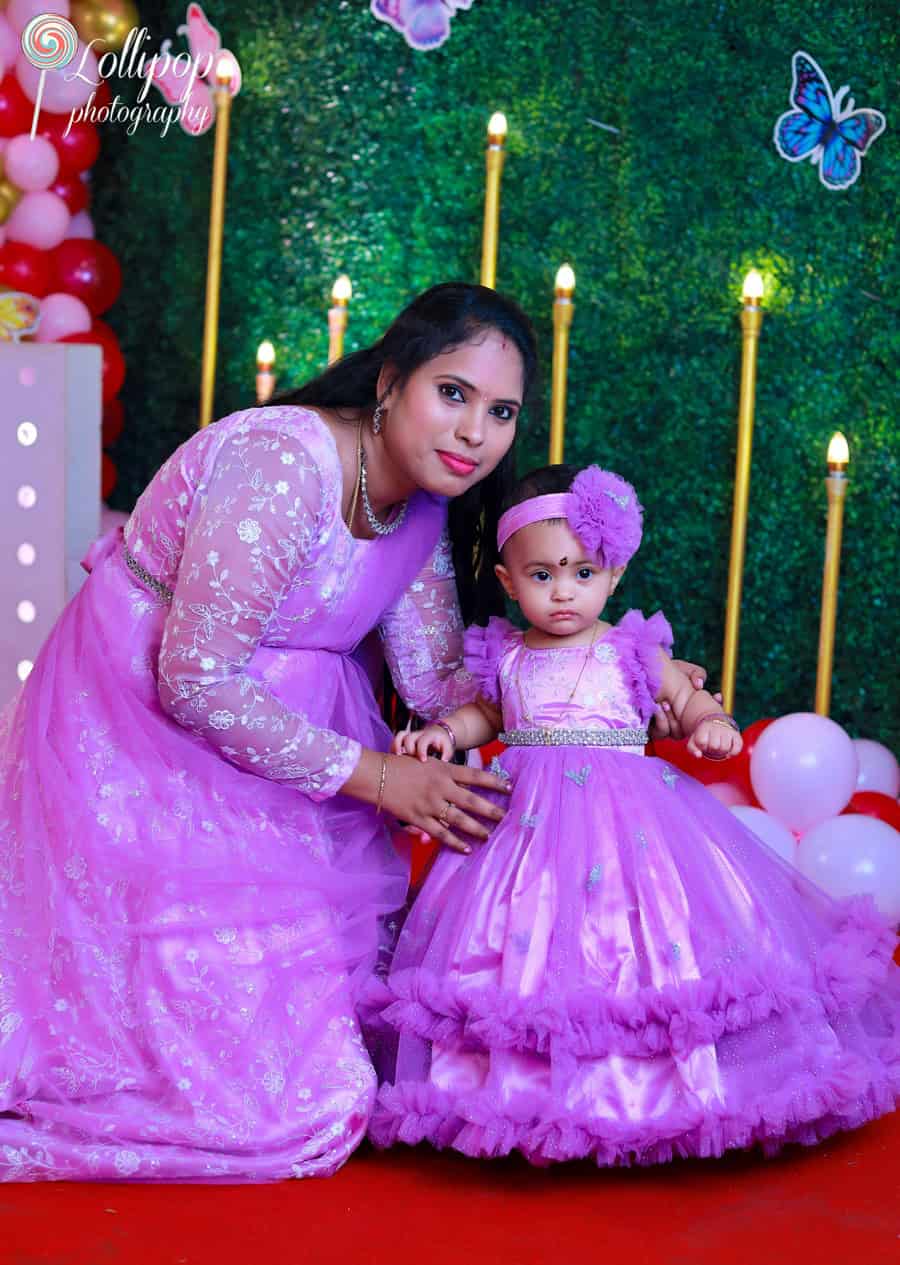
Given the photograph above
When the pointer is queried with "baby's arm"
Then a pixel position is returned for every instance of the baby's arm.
(710, 730)
(471, 725)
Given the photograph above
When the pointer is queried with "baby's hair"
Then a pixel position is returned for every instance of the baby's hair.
(543, 482)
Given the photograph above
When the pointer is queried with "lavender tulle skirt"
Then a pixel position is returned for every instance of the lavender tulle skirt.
(180, 941)
(624, 972)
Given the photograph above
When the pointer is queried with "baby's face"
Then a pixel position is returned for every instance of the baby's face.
(548, 571)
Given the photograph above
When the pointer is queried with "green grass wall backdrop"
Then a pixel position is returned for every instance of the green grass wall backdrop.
(350, 152)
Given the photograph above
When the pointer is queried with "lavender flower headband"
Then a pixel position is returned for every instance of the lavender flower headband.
(602, 510)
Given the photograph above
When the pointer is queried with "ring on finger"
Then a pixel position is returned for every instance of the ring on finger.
(443, 817)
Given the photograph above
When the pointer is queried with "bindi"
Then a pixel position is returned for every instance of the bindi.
(564, 562)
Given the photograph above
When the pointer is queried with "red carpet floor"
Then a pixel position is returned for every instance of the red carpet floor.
(836, 1203)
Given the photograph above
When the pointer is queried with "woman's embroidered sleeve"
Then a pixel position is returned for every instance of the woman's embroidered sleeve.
(257, 525)
(423, 635)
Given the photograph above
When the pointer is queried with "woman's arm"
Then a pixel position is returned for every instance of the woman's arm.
(423, 640)
(254, 532)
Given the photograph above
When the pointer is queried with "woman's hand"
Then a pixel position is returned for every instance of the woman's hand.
(440, 798)
(419, 743)
(664, 723)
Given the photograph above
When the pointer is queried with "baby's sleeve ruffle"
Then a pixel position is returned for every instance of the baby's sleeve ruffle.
(483, 649)
(642, 640)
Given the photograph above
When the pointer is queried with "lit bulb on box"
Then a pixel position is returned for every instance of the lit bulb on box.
(342, 290)
(565, 282)
(496, 128)
(265, 376)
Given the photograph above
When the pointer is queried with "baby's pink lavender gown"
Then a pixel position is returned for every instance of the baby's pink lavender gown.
(186, 904)
(622, 971)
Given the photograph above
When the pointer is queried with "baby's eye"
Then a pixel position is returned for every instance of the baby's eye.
(540, 576)
(448, 388)
(585, 573)
(504, 412)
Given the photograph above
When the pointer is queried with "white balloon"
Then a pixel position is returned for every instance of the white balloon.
(854, 855)
(878, 768)
(768, 829)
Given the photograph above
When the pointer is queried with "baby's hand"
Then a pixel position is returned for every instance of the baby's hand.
(422, 741)
(715, 740)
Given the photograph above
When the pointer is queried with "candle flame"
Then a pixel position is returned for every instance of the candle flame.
(753, 286)
(838, 450)
(342, 290)
(497, 128)
(265, 356)
(565, 282)
(225, 69)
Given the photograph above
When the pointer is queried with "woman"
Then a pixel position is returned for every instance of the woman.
(194, 793)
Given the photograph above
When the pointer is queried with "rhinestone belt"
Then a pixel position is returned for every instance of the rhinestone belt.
(149, 581)
(575, 738)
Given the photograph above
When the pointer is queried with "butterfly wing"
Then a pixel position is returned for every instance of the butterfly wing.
(424, 24)
(861, 127)
(840, 164)
(199, 110)
(162, 77)
(810, 90)
(20, 314)
(797, 135)
(202, 37)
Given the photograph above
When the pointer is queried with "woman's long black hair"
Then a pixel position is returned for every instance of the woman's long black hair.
(444, 317)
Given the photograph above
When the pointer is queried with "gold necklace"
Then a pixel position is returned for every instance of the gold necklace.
(525, 716)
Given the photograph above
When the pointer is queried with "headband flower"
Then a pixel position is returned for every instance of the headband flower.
(601, 508)
(606, 515)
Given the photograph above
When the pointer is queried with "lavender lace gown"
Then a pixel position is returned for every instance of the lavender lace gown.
(622, 971)
(186, 904)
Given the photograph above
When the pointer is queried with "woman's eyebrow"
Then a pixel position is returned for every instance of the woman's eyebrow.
(472, 387)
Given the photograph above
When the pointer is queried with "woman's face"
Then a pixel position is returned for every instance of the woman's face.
(454, 419)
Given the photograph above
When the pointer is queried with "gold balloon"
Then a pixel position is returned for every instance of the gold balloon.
(9, 197)
(107, 21)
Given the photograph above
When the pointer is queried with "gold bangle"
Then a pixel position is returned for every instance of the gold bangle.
(381, 784)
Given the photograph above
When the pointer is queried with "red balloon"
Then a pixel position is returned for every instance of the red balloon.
(23, 267)
(113, 361)
(705, 771)
(15, 108)
(73, 191)
(113, 421)
(89, 270)
(78, 146)
(109, 475)
(875, 804)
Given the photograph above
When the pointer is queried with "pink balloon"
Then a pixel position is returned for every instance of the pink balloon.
(9, 45)
(65, 89)
(878, 768)
(728, 794)
(81, 225)
(770, 831)
(39, 220)
(852, 855)
(803, 769)
(20, 12)
(31, 164)
(61, 315)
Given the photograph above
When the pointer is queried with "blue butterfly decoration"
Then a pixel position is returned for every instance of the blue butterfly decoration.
(820, 127)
